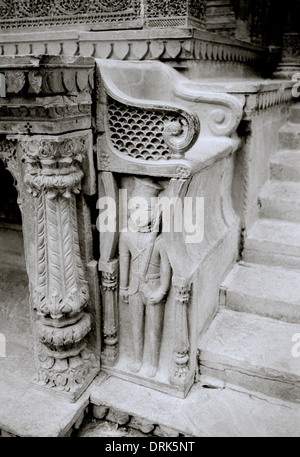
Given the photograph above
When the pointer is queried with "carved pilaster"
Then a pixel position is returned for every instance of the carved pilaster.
(220, 17)
(109, 289)
(181, 332)
(60, 292)
(290, 61)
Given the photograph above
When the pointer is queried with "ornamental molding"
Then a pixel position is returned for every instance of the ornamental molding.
(32, 13)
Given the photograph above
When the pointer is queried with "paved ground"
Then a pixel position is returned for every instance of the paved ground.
(26, 410)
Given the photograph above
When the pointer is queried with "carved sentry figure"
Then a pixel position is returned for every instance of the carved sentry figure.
(145, 273)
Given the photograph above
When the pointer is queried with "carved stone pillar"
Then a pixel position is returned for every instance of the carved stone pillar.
(290, 61)
(46, 97)
(220, 17)
(181, 334)
(109, 289)
(60, 291)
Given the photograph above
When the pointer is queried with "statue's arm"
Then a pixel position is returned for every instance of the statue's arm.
(165, 272)
(165, 275)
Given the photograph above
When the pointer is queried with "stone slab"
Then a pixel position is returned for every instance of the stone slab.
(280, 200)
(295, 114)
(273, 242)
(289, 136)
(254, 352)
(285, 166)
(204, 412)
(266, 291)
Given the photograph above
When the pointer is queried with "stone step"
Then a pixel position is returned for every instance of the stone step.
(295, 114)
(280, 200)
(273, 242)
(263, 290)
(289, 136)
(285, 166)
(203, 413)
(252, 352)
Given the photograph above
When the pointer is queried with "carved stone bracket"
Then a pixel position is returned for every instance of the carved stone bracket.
(60, 293)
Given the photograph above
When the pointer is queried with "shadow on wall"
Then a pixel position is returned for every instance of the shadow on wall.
(9, 210)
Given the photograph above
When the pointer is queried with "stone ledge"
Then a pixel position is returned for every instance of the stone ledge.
(26, 411)
(204, 412)
(184, 44)
(253, 352)
(266, 291)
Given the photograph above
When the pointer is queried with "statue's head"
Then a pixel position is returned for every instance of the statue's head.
(143, 209)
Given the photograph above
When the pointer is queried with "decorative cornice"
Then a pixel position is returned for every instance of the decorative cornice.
(164, 44)
(47, 75)
(46, 94)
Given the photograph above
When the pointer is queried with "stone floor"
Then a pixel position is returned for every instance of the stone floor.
(25, 410)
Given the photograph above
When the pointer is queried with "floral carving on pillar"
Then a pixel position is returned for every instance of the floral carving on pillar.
(109, 288)
(61, 293)
(182, 345)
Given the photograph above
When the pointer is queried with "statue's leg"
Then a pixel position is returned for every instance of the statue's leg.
(137, 314)
(155, 316)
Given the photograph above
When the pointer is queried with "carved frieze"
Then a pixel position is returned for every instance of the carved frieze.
(47, 75)
(32, 82)
(172, 13)
(291, 48)
(33, 13)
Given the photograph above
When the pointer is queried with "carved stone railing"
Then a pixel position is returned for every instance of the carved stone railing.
(48, 103)
(159, 134)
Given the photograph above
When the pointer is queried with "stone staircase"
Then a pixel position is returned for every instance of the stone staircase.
(249, 344)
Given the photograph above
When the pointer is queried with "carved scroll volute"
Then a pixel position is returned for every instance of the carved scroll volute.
(182, 344)
(60, 293)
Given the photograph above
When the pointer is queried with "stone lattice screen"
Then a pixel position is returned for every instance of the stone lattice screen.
(99, 14)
